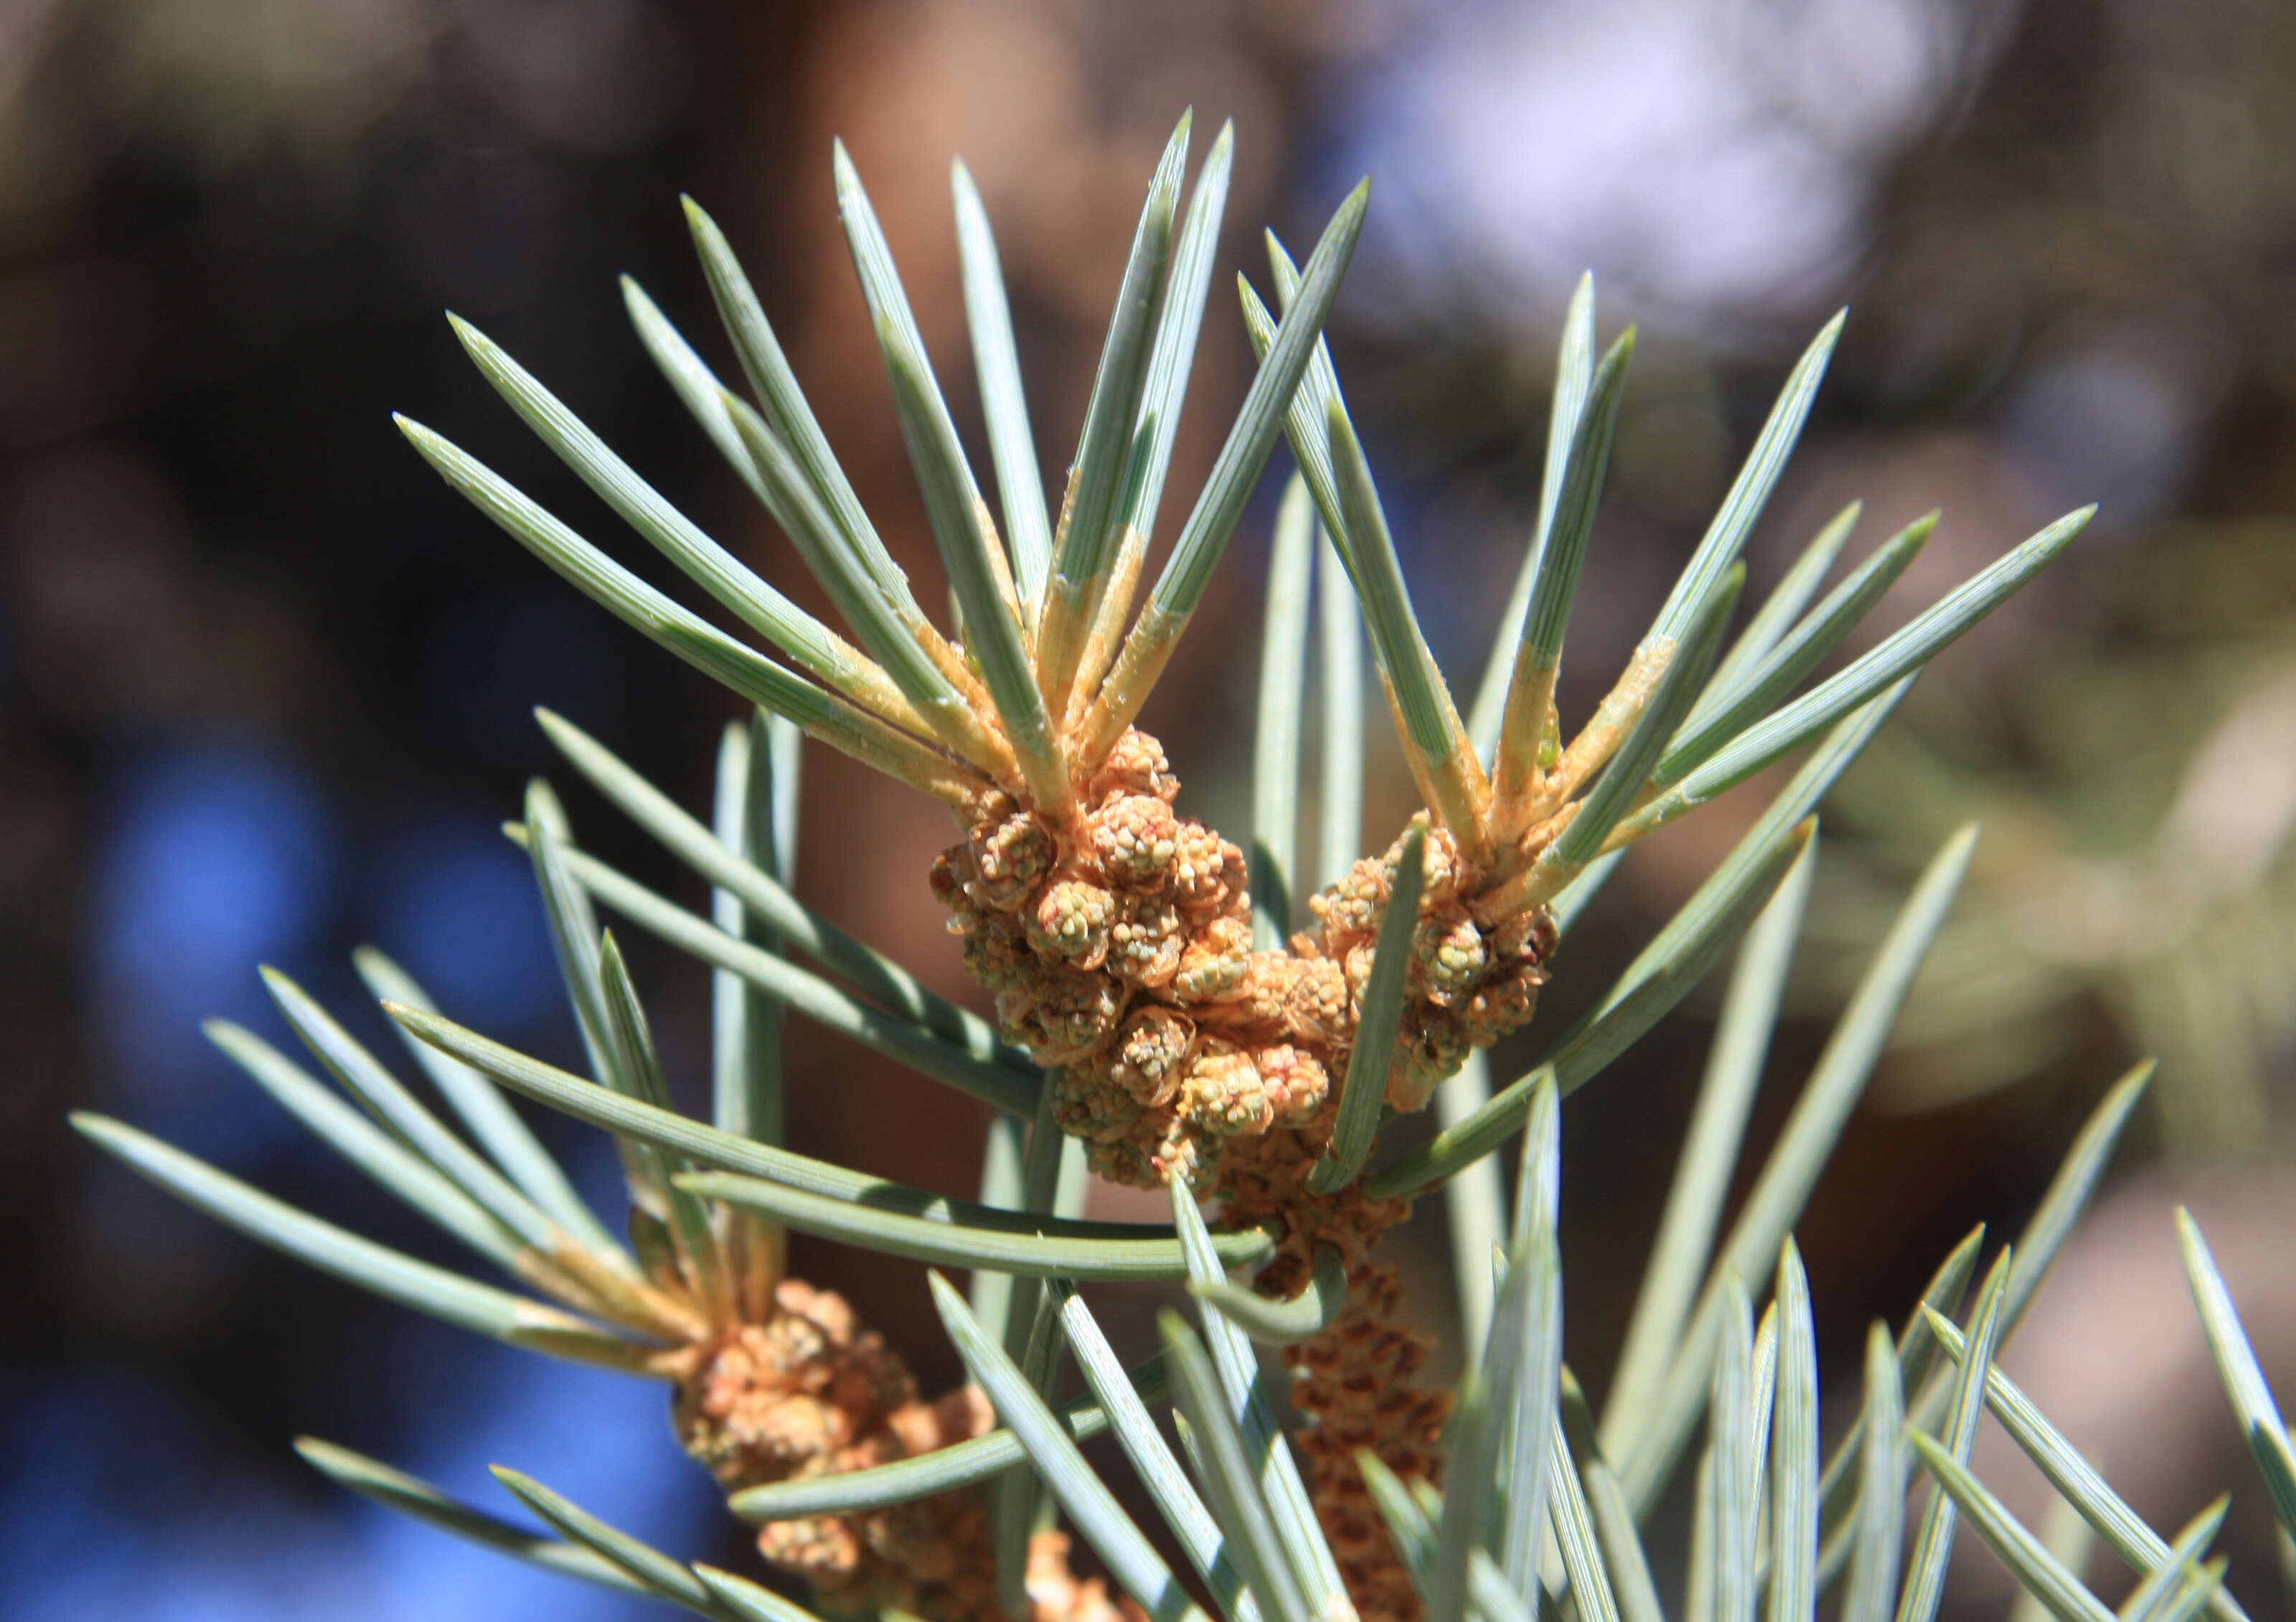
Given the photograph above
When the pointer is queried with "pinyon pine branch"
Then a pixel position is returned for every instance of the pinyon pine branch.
(1171, 1011)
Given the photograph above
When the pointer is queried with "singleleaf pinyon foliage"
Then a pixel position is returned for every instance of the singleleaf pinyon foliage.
(1173, 1012)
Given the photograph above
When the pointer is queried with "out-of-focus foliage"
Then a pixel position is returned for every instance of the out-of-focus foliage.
(2126, 315)
(2140, 804)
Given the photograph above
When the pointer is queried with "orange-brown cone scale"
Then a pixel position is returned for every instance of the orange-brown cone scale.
(1119, 948)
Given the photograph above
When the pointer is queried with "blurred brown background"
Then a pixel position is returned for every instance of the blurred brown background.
(264, 684)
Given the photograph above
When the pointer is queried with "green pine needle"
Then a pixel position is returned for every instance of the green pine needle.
(1782, 607)
(709, 564)
(655, 1572)
(417, 1499)
(1574, 371)
(1725, 537)
(1881, 1523)
(1011, 443)
(2076, 1481)
(2243, 1378)
(1709, 1156)
(945, 1469)
(1933, 1547)
(1178, 322)
(1123, 1400)
(1563, 534)
(486, 1113)
(1248, 1397)
(1902, 655)
(418, 1285)
(1804, 1146)
(1731, 1427)
(2027, 1559)
(972, 1060)
(790, 419)
(361, 1074)
(1794, 1450)
(1230, 1482)
(1309, 1313)
(1372, 1055)
(366, 1145)
(1085, 543)
(764, 892)
(1524, 1353)
(1135, 1566)
(1725, 710)
(1275, 738)
(2153, 1598)
(1442, 762)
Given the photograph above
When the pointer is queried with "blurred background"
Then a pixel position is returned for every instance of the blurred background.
(264, 684)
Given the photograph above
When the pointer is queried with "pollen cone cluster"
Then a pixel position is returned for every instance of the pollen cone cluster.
(1119, 949)
(806, 1391)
